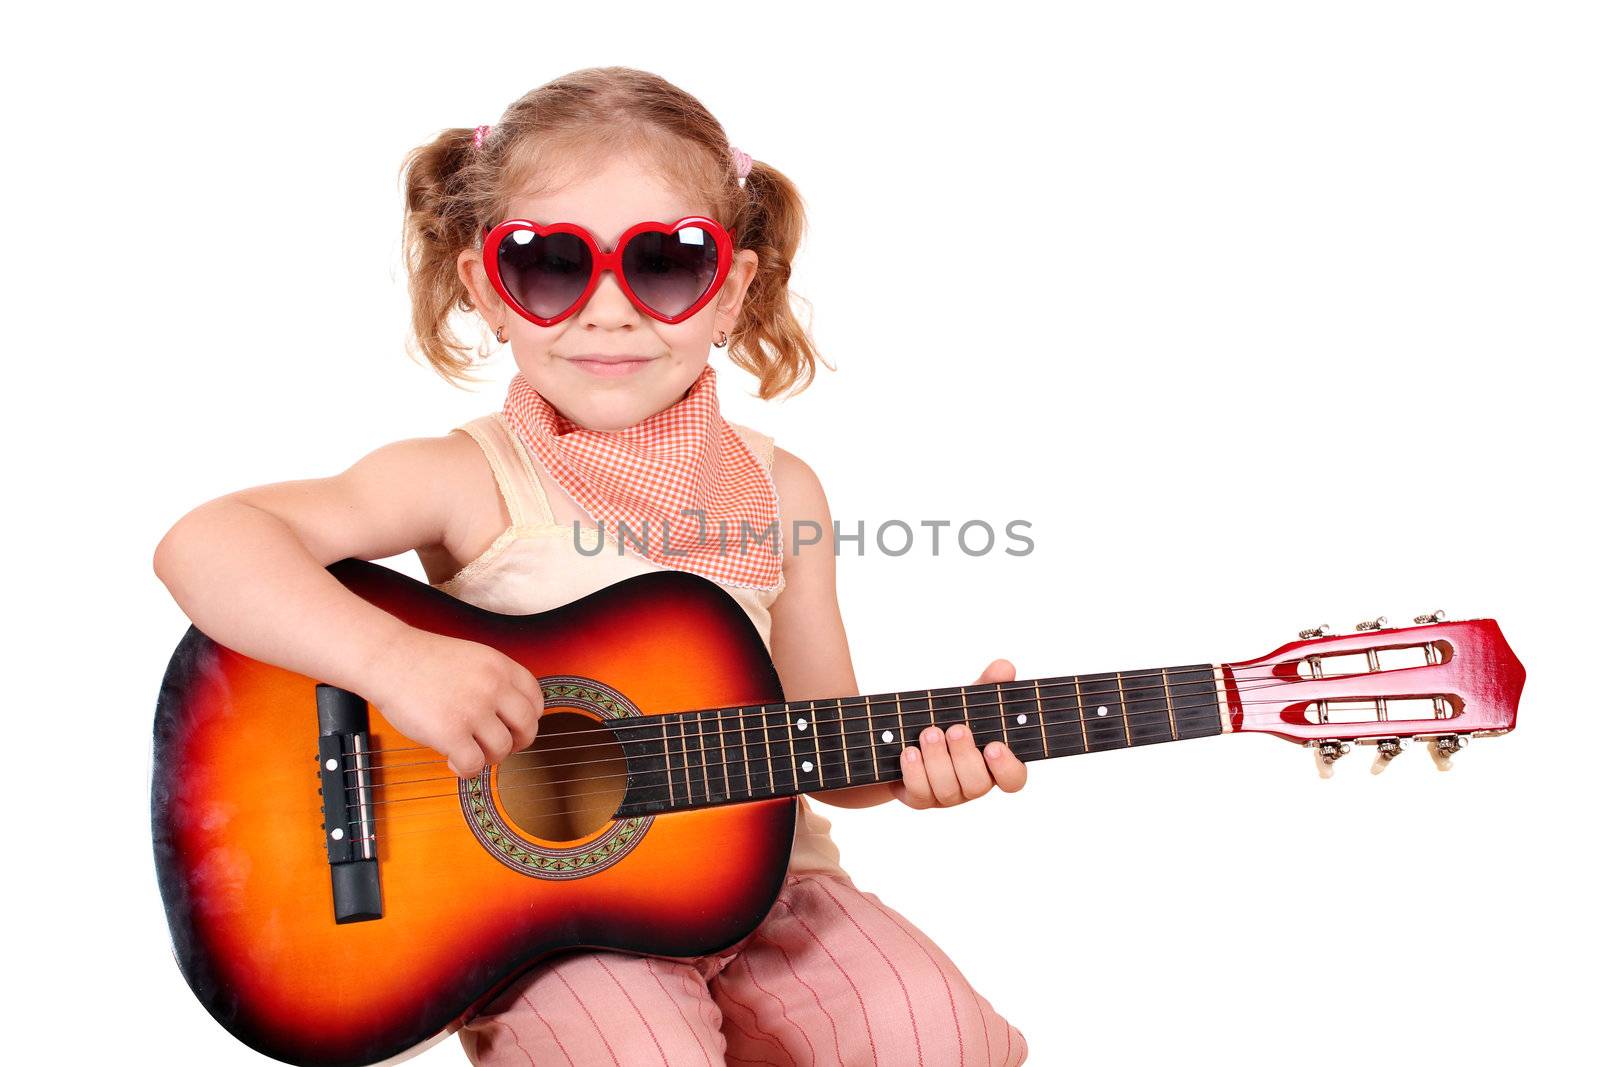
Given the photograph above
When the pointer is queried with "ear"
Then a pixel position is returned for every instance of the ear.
(469, 267)
(730, 300)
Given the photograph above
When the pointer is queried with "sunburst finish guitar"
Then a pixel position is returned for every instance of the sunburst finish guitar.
(336, 896)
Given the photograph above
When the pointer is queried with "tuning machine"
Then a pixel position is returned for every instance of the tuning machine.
(1315, 631)
(1388, 749)
(1443, 747)
(1434, 616)
(1328, 752)
(1372, 624)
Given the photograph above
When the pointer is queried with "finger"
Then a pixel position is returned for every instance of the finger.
(1010, 773)
(529, 687)
(914, 791)
(465, 759)
(941, 775)
(1000, 670)
(521, 718)
(968, 762)
(495, 740)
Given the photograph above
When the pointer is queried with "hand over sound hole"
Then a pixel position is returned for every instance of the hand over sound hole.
(569, 784)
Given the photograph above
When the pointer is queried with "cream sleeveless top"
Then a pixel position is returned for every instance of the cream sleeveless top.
(534, 566)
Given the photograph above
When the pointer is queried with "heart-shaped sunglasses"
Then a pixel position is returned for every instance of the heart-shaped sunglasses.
(669, 270)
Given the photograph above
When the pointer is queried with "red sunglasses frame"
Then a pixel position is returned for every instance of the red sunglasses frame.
(606, 261)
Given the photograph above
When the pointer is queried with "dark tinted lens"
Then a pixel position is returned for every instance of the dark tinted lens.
(670, 271)
(546, 275)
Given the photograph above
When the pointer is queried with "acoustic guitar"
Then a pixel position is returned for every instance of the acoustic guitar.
(336, 896)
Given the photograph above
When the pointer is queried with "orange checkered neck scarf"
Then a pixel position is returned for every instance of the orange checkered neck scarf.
(682, 483)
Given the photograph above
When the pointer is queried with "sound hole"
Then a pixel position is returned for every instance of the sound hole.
(569, 784)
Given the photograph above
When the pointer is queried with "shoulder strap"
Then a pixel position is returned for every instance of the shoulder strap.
(513, 470)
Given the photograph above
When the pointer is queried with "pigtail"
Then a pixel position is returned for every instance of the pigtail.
(769, 340)
(440, 220)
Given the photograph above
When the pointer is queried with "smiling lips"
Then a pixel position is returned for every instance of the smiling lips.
(604, 366)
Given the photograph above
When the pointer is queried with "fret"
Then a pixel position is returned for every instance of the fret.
(948, 707)
(700, 744)
(807, 749)
(900, 723)
(1194, 701)
(912, 714)
(831, 761)
(685, 759)
(1122, 702)
(720, 767)
(1145, 698)
(984, 708)
(1103, 719)
(888, 740)
(737, 767)
(770, 788)
(781, 737)
(1063, 724)
(840, 730)
(666, 754)
(859, 755)
(1022, 724)
(1166, 693)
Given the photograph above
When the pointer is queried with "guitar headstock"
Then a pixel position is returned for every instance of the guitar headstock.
(1439, 682)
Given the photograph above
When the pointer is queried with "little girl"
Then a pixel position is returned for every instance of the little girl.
(607, 232)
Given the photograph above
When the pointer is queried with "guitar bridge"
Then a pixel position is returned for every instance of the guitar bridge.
(344, 762)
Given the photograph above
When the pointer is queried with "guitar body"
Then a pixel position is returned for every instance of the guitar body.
(472, 895)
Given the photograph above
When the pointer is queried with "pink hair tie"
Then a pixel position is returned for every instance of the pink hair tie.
(741, 163)
(479, 134)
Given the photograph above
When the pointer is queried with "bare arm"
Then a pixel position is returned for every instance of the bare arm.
(249, 569)
(812, 657)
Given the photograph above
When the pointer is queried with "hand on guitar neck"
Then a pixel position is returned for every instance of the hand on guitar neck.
(945, 767)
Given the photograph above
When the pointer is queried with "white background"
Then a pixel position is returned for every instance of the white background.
(1270, 315)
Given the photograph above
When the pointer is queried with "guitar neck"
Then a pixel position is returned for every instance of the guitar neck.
(699, 759)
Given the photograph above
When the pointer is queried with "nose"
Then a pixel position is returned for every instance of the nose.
(608, 305)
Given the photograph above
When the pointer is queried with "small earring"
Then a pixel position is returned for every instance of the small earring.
(722, 343)
(499, 334)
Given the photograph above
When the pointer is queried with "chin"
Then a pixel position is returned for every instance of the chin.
(616, 411)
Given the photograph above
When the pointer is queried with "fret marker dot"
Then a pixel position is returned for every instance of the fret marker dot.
(800, 724)
(1021, 719)
(332, 764)
(805, 766)
(337, 835)
(1101, 710)
(887, 737)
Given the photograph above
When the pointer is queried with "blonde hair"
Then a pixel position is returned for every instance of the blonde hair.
(453, 188)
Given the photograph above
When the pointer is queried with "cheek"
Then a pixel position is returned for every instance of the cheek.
(694, 332)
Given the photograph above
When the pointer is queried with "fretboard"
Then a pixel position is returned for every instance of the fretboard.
(698, 759)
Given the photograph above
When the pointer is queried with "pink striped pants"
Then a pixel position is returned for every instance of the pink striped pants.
(832, 976)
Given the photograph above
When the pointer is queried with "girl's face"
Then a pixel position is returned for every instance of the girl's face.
(564, 362)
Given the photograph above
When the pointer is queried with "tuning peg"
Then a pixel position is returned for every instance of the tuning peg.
(1443, 747)
(1388, 749)
(1373, 624)
(1437, 616)
(1327, 753)
(1315, 631)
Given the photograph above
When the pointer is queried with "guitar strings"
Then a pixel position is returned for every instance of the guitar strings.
(1075, 716)
(454, 809)
(654, 724)
(1027, 685)
(1144, 732)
